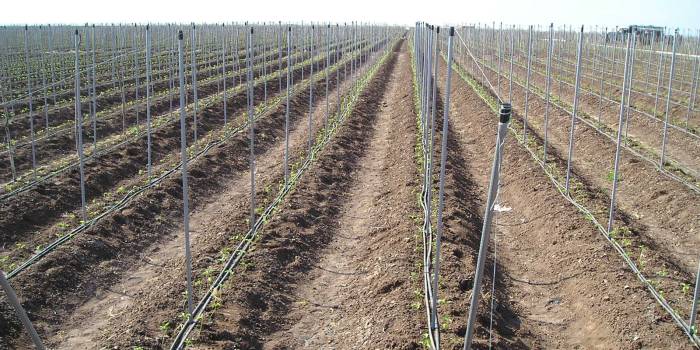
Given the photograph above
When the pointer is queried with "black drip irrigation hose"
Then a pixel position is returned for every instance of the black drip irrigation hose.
(584, 119)
(242, 248)
(687, 329)
(133, 193)
(427, 227)
(101, 151)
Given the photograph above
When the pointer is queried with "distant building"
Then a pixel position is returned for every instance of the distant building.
(645, 34)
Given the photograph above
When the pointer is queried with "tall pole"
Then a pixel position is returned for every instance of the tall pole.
(223, 71)
(573, 114)
(136, 73)
(527, 82)
(79, 126)
(311, 91)
(286, 114)
(193, 44)
(696, 296)
(148, 99)
(19, 311)
(251, 127)
(668, 101)
(548, 89)
(660, 71)
(510, 73)
(504, 118)
(93, 93)
(185, 187)
(604, 56)
(441, 187)
(29, 90)
(620, 122)
(328, 63)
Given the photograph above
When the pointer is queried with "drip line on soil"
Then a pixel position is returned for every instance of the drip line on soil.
(242, 247)
(659, 299)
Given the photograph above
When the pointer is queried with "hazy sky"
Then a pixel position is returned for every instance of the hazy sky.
(669, 13)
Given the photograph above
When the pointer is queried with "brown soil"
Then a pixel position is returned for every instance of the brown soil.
(62, 142)
(150, 218)
(570, 289)
(681, 147)
(39, 208)
(334, 267)
(656, 209)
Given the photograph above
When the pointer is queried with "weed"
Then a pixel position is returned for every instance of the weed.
(445, 322)
(641, 262)
(165, 327)
(685, 288)
(425, 340)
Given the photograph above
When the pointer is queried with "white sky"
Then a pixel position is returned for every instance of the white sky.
(670, 13)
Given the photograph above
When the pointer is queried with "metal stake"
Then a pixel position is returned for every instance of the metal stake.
(251, 126)
(311, 91)
(93, 105)
(148, 99)
(286, 115)
(29, 89)
(527, 82)
(668, 100)
(185, 187)
(79, 127)
(505, 113)
(620, 122)
(548, 87)
(193, 44)
(19, 311)
(694, 308)
(441, 189)
(223, 73)
(573, 114)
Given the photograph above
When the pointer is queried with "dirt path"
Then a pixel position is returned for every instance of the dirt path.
(349, 298)
(568, 288)
(655, 219)
(129, 305)
(350, 282)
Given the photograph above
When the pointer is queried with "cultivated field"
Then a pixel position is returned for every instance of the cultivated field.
(348, 186)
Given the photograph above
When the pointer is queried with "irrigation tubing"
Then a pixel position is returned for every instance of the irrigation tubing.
(247, 241)
(422, 45)
(128, 197)
(584, 118)
(38, 180)
(659, 299)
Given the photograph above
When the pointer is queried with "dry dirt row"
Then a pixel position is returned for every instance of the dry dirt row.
(334, 268)
(566, 286)
(338, 267)
(77, 291)
(655, 217)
